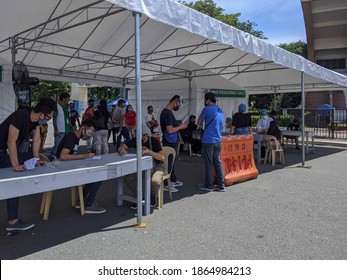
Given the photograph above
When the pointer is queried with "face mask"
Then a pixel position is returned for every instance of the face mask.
(88, 134)
(42, 122)
(264, 117)
(86, 137)
(176, 108)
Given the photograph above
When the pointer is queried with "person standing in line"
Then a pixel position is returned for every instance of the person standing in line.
(241, 122)
(170, 131)
(111, 128)
(74, 116)
(151, 123)
(118, 120)
(17, 132)
(67, 150)
(100, 138)
(61, 121)
(130, 120)
(89, 115)
(211, 143)
(89, 112)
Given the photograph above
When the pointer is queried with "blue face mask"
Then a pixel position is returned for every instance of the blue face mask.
(42, 122)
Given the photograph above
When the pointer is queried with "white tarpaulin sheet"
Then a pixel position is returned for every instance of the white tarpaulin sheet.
(93, 42)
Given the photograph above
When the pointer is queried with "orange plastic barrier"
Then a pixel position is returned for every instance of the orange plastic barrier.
(238, 159)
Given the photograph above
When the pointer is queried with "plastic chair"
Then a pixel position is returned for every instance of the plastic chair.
(168, 153)
(47, 196)
(272, 147)
(181, 142)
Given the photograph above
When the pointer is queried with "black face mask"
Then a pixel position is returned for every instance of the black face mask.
(176, 108)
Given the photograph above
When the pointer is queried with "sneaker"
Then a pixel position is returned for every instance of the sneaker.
(203, 187)
(219, 189)
(177, 184)
(77, 205)
(196, 155)
(20, 225)
(94, 209)
(154, 201)
(173, 189)
(133, 206)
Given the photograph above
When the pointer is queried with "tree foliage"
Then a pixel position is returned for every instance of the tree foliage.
(49, 88)
(107, 93)
(299, 48)
(210, 8)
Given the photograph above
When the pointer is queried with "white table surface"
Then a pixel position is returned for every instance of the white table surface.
(72, 173)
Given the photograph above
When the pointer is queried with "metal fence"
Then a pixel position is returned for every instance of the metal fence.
(327, 123)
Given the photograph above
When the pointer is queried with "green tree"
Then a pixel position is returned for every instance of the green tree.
(209, 7)
(107, 93)
(49, 88)
(299, 48)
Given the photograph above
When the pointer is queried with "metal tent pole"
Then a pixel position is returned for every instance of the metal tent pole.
(303, 118)
(139, 113)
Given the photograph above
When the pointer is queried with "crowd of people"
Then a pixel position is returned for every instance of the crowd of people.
(20, 139)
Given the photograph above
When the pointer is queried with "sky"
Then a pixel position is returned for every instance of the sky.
(281, 21)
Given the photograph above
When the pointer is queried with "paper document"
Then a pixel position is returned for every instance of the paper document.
(94, 157)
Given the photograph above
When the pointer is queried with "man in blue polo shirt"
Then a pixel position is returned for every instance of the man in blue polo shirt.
(211, 143)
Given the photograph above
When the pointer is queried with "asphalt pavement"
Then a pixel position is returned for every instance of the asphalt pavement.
(287, 213)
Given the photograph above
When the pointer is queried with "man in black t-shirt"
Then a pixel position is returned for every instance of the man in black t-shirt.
(16, 132)
(170, 131)
(151, 147)
(73, 116)
(67, 150)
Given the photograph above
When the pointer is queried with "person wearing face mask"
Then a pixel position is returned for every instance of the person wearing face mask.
(130, 120)
(211, 143)
(152, 125)
(20, 140)
(67, 150)
(151, 147)
(170, 131)
(264, 122)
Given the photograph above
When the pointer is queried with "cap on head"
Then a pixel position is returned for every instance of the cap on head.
(263, 112)
(242, 108)
(71, 102)
(209, 95)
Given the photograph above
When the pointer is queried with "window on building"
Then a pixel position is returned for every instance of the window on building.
(332, 63)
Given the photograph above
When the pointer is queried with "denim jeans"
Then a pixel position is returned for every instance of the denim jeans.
(211, 154)
(57, 140)
(124, 133)
(89, 192)
(170, 161)
(241, 130)
(12, 203)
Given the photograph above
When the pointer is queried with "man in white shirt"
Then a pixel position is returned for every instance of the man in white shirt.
(264, 122)
(151, 123)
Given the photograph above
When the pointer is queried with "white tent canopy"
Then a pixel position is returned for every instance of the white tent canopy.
(106, 43)
(93, 42)
(158, 92)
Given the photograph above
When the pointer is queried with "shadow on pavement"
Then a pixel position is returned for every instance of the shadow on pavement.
(65, 223)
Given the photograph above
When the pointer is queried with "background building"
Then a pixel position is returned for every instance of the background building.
(326, 31)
